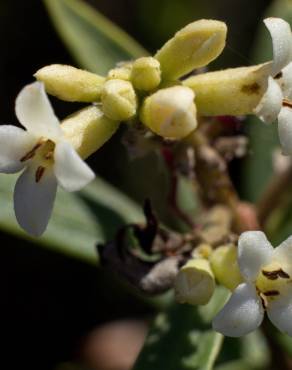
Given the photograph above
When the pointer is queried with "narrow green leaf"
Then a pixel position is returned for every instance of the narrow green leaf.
(182, 339)
(94, 41)
(79, 220)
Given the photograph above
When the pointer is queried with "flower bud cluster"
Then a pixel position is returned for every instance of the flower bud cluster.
(137, 90)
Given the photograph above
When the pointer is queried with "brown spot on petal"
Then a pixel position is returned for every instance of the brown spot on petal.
(287, 103)
(250, 89)
(279, 75)
(39, 173)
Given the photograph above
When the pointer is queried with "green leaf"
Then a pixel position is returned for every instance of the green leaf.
(181, 338)
(95, 42)
(79, 220)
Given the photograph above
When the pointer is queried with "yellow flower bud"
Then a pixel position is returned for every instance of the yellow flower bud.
(120, 73)
(194, 283)
(234, 91)
(119, 101)
(225, 267)
(88, 129)
(170, 112)
(146, 74)
(195, 46)
(70, 84)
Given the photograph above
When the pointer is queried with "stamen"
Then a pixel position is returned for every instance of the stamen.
(271, 293)
(273, 275)
(39, 173)
(49, 155)
(31, 153)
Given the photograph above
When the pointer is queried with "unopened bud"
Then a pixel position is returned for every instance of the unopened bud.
(195, 46)
(88, 129)
(194, 283)
(120, 73)
(235, 91)
(70, 84)
(225, 267)
(146, 74)
(170, 112)
(119, 100)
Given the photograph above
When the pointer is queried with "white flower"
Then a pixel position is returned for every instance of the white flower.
(277, 101)
(44, 154)
(268, 287)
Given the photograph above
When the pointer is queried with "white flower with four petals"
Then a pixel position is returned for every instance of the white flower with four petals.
(277, 100)
(44, 154)
(267, 272)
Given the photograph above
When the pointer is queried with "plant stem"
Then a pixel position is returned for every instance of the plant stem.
(274, 194)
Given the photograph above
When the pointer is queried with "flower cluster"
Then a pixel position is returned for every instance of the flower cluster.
(153, 92)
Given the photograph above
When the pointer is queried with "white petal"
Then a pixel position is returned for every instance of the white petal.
(14, 144)
(71, 171)
(254, 251)
(285, 130)
(33, 201)
(242, 314)
(283, 254)
(280, 313)
(34, 111)
(286, 81)
(282, 42)
(271, 102)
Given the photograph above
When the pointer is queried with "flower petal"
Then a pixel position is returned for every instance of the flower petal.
(242, 314)
(33, 201)
(14, 144)
(34, 111)
(280, 313)
(285, 130)
(282, 42)
(283, 255)
(286, 81)
(271, 102)
(254, 251)
(71, 171)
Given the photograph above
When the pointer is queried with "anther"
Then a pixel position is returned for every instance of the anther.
(39, 173)
(31, 153)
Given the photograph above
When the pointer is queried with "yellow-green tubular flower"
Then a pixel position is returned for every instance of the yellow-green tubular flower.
(119, 101)
(70, 83)
(195, 282)
(195, 46)
(234, 91)
(88, 129)
(170, 112)
(225, 266)
(146, 74)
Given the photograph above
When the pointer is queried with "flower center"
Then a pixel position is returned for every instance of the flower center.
(271, 281)
(43, 157)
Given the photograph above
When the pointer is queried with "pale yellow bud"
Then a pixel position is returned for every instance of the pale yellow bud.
(119, 101)
(235, 91)
(146, 74)
(195, 46)
(225, 267)
(170, 112)
(194, 283)
(120, 73)
(70, 84)
(88, 129)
